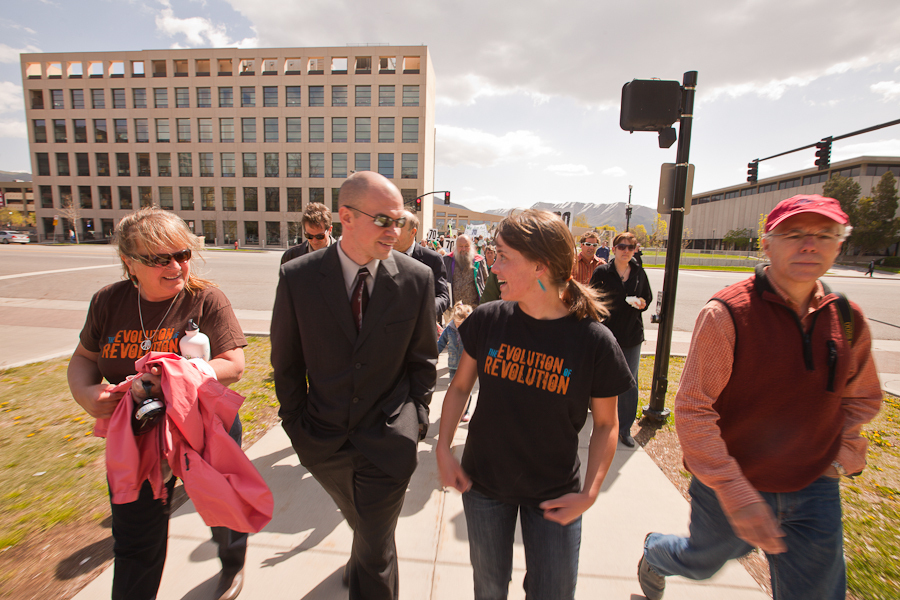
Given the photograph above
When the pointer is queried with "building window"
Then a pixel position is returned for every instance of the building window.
(273, 231)
(747, 191)
(817, 178)
(62, 164)
(317, 129)
(84, 196)
(139, 97)
(270, 129)
(39, 128)
(294, 125)
(118, 96)
(46, 196)
(102, 160)
(251, 233)
(270, 160)
(184, 129)
(137, 68)
(206, 165)
(82, 164)
(247, 66)
(229, 199)
(339, 164)
(294, 164)
(248, 129)
(120, 126)
(56, 97)
(270, 96)
(182, 98)
(201, 67)
(124, 197)
(249, 164)
(164, 164)
(363, 130)
(77, 98)
(316, 95)
(98, 100)
(143, 164)
(386, 165)
(160, 98)
(181, 67)
(409, 199)
(385, 95)
(294, 200)
(251, 199)
(141, 131)
(317, 195)
(410, 95)
(293, 95)
(100, 131)
(226, 129)
(162, 130)
(335, 200)
(105, 193)
(339, 129)
(387, 65)
(364, 95)
(362, 161)
(187, 197)
(248, 96)
(145, 193)
(166, 200)
(410, 130)
(228, 165)
(270, 66)
(315, 66)
(43, 164)
(363, 65)
(205, 131)
(789, 183)
(224, 66)
(80, 126)
(185, 165)
(411, 64)
(770, 187)
(37, 99)
(123, 164)
(65, 196)
(339, 65)
(226, 97)
(207, 198)
(385, 129)
(273, 202)
(339, 95)
(204, 97)
(317, 164)
(852, 171)
(59, 131)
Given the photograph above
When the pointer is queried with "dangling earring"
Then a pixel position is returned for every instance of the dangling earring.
(134, 280)
(540, 283)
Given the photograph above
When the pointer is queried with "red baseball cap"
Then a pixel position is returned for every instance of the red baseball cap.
(806, 203)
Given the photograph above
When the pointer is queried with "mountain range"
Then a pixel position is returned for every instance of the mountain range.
(10, 176)
(598, 214)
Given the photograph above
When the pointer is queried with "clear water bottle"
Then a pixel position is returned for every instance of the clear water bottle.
(194, 344)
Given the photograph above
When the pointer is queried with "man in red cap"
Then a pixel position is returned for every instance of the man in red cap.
(777, 384)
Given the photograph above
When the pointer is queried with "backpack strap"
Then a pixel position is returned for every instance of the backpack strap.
(844, 313)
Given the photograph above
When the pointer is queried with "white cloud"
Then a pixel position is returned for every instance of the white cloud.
(614, 172)
(472, 147)
(889, 90)
(197, 31)
(13, 129)
(11, 55)
(569, 170)
(10, 97)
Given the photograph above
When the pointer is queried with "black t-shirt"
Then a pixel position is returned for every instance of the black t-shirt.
(113, 326)
(537, 378)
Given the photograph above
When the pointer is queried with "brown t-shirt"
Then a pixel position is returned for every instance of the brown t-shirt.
(113, 326)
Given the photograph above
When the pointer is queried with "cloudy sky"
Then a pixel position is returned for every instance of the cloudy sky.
(528, 92)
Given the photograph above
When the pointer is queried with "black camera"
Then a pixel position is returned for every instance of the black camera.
(148, 412)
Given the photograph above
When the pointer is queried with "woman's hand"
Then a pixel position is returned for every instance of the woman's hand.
(85, 382)
(139, 392)
(99, 400)
(452, 474)
(565, 509)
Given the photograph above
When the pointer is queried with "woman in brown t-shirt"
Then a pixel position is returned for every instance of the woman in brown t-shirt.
(149, 311)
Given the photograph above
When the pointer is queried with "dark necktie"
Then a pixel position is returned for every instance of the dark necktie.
(360, 297)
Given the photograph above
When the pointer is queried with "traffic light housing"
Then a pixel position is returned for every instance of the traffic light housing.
(446, 197)
(419, 204)
(752, 171)
(823, 154)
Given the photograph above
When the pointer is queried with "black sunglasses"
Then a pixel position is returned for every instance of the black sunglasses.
(314, 236)
(382, 220)
(163, 260)
(626, 246)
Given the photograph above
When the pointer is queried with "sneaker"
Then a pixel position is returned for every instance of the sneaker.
(652, 583)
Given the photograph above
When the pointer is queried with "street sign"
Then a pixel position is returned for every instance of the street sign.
(667, 189)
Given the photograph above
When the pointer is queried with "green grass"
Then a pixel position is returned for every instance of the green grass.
(701, 268)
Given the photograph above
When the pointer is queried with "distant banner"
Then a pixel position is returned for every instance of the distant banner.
(432, 235)
(474, 231)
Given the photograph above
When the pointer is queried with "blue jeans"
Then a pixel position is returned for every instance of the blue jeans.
(813, 566)
(551, 550)
(628, 402)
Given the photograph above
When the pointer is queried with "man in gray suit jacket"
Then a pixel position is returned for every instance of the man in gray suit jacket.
(354, 397)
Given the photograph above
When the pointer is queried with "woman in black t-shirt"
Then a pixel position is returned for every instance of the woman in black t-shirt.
(542, 358)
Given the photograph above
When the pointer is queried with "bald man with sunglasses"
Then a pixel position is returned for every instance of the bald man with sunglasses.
(354, 355)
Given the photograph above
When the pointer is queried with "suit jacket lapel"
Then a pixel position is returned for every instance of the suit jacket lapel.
(383, 296)
(334, 291)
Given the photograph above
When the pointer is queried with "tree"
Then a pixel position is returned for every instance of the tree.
(687, 234)
(10, 217)
(660, 232)
(738, 238)
(876, 227)
(760, 232)
(72, 212)
(580, 221)
(846, 191)
(640, 233)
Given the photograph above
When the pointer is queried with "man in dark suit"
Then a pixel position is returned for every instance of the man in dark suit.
(316, 224)
(408, 246)
(354, 355)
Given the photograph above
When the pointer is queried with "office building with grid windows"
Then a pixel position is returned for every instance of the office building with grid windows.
(236, 142)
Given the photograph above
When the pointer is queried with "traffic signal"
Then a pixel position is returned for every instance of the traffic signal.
(823, 154)
(446, 197)
(419, 204)
(752, 171)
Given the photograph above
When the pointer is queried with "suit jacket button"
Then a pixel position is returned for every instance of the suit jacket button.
(355, 400)
(358, 365)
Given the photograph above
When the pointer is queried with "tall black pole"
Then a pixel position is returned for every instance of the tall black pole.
(657, 410)
(628, 210)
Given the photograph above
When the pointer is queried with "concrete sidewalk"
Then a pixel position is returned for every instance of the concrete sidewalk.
(301, 553)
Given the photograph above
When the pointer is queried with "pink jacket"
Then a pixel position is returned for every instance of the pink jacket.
(225, 487)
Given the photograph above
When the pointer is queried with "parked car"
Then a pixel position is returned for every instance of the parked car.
(15, 237)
